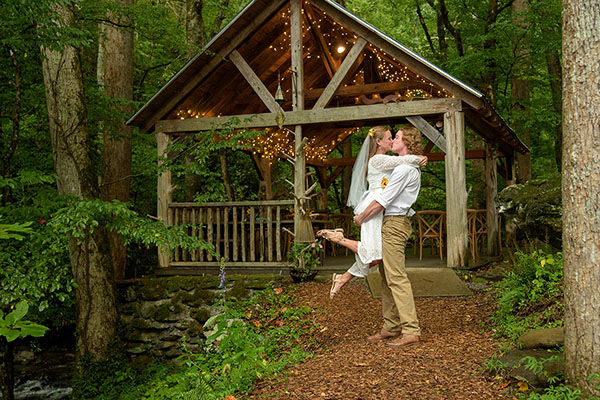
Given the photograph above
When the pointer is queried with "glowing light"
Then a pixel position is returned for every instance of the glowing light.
(341, 49)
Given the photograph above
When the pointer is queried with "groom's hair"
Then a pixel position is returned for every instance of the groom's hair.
(412, 139)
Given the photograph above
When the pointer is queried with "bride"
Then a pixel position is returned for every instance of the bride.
(370, 175)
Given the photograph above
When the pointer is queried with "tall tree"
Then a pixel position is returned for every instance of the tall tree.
(197, 35)
(520, 88)
(115, 78)
(580, 188)
(96, 314)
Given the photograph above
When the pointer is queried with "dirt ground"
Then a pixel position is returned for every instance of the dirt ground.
(456, 340)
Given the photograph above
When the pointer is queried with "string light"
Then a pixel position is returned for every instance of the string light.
(279, 142)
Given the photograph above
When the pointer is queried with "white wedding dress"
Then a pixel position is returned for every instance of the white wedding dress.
(369, 246)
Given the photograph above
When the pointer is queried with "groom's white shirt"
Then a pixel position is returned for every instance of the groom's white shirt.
(402, 191)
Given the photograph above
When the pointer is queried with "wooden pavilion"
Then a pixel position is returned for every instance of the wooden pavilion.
(310, 73)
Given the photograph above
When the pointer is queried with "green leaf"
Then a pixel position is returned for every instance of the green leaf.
(32, 329)
(20, 311)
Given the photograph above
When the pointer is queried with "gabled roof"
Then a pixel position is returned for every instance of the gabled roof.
(212, 84)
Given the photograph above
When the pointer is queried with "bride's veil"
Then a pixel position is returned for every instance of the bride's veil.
(358, 186)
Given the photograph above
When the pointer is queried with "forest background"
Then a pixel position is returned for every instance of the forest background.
(509, 50)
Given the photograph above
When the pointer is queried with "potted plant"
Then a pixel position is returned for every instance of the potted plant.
(304, 260)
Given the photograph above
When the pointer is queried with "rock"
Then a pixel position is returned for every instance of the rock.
(515, 362)
(543, 338)
(535, 208)
(24, 357)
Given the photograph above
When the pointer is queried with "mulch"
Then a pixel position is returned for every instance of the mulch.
(456, 340)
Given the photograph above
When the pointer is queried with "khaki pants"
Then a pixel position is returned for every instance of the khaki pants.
(399, 313)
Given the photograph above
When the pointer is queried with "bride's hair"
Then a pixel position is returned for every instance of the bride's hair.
(412, 139)
(376, 132)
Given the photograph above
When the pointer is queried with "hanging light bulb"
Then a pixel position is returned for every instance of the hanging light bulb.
(279, 93)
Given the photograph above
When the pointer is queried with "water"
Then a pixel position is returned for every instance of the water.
(46, 377)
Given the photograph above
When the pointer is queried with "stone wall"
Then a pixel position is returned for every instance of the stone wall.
(157, 313)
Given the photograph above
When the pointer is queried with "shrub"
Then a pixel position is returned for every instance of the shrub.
(531, 295)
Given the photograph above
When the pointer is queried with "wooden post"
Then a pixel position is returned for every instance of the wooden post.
(302, 225)
(456, 192)
(164, 190)
(491, 190)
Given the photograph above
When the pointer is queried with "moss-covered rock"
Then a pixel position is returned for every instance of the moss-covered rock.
(168, 312)
(535, 208)
(151, 289)
(200, 314)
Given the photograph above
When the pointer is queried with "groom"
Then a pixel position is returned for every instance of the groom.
(399, 314)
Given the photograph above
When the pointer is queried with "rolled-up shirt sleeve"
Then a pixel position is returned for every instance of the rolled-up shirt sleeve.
(399, 180)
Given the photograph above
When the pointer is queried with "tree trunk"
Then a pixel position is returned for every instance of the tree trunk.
(520, 92)
(555, 72)
(7, 369)
(225, 175)
(96, 313)
(580, 188)
(346, 175)
(115, 76)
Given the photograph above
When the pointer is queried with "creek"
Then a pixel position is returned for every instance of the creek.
(43, 376)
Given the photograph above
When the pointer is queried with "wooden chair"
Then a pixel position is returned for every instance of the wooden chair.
(478, 230)
(341, 220)
(430, 227)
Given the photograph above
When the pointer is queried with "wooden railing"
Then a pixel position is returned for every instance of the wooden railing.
(244, 233)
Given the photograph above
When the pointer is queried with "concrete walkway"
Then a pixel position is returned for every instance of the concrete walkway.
(429, 277)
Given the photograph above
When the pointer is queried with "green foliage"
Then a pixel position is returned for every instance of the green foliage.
(251, 340)
(114, 377)
(305, 257)
(13, 326)
(531, 295)
(14, 231)
(493, 365)
(560, 392)
(80, 218)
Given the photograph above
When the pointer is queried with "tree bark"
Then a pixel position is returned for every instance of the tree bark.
(580, 188)
(115, 76)
(7, 369)
(346, 175)
(520, 92)
(96, 313)
(225, 175)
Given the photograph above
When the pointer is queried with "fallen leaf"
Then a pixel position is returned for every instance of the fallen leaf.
(278, 290)
(523, 387)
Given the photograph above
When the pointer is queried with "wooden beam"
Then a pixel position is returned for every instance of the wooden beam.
(429, 131)
(334, 162)
(456, 191)
(215, 60)
(334, 175)
(369, 88)
(379, 40)
(254, 81)
(164, 192)
(328, 61)
(341, 73)
(491, 190)
(296, 55)
(327, 115)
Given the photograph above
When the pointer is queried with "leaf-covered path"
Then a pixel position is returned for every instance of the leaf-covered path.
(445, 365)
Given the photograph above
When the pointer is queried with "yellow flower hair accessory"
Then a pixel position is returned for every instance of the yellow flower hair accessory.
(384, 182)
(371, 132)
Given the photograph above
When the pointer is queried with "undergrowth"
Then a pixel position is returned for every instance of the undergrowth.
(249, 340)
(531, 297)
